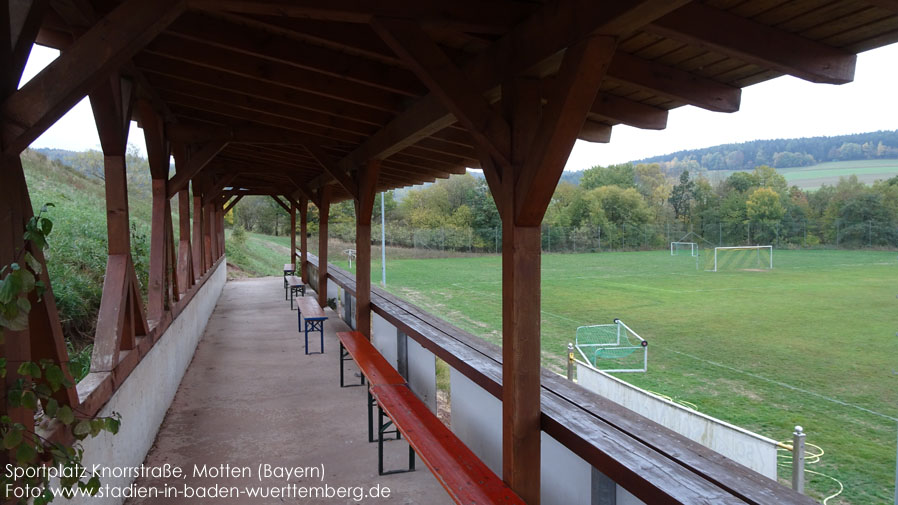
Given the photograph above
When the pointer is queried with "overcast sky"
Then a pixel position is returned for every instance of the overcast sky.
(781, 108)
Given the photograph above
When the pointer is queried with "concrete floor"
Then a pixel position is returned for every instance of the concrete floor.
(251, 398)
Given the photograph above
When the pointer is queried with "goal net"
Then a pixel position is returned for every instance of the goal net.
(612, 347)
(683, 248)
(753, 257)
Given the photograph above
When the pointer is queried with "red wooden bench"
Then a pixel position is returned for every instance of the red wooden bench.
(354, 346)
(464, 476)
(467, 479)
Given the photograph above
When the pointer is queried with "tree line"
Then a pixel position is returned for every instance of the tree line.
(781, 153)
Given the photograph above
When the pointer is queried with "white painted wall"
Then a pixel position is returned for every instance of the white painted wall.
(477, 420)
(565, 478)
(383, 337)
(422, 374)
(750, 449)
(146, 394)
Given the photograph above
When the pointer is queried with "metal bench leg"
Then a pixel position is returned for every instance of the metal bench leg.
(344, 357)
(380, 446)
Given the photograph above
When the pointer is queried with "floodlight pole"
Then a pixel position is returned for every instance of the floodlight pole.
(383, 242)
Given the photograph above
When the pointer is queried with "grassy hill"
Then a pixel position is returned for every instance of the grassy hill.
(814, 176)
(76, 258)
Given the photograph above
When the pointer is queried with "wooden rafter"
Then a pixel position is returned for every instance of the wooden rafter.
(57, 88)
(757, 43)
(195, 164)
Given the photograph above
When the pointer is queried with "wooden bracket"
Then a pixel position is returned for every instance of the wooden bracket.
(195, 163)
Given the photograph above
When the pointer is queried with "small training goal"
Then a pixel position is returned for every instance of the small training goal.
(750, 257)
(613, 347)
(683, 248)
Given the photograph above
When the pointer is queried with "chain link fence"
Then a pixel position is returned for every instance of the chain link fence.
(633, 237)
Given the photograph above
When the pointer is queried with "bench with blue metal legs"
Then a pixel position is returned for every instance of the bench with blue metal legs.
(289, 270)
(313, 316)
(297, 288)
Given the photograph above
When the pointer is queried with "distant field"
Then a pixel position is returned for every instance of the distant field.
(811, 342)
(867, 171)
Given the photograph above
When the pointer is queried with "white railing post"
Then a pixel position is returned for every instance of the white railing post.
(798, 459)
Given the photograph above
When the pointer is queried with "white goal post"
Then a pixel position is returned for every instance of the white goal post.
(676, 247)
(748, 260)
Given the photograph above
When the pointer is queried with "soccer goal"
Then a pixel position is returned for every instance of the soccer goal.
(613, 347)
(678, 248)
(750, 257)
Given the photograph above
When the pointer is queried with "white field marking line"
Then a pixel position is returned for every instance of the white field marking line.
(788, 386)
(721, 365)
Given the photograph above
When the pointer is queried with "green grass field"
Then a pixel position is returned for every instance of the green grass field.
(812, 177)
(811, 342)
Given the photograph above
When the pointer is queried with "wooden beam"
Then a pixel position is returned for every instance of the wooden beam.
(462, 15)
(28, 112)
(339, 64)
(170, 70)
(581, 73)
(547, 31)
(111, 102)
(195, 163)
(324, 197)
(279, 202)
(232, 203)
(448, 83)
(24, 23)
(629, 112)
(674, 83)
(218, 188)
(593, 131)
(158, 146)
(366, 180)
(332, 169)
(756, 43)
(276, 73)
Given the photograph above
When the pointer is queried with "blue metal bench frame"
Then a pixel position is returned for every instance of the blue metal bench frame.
(312, 324)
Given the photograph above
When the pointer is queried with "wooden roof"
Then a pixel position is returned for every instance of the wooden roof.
(287, 95)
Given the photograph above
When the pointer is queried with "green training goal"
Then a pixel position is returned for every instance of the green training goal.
(612, 347)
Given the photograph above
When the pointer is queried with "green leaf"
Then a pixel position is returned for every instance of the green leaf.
(55, 377)
(65, 415)
(96, 426)
(113, 425)
(25, 454)
(29, 400)
(16, 321)
(30, 369)
(23, 304)
(33, 263)
(82, 428)
(11, 286)
(46, 226)
(93, 485)
(12, 438)
(52, 407)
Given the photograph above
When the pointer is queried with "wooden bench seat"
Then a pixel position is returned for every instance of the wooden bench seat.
(314, 317)
(464, 476)
(296, 286)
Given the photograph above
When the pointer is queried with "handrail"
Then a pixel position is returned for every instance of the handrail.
(652, 462)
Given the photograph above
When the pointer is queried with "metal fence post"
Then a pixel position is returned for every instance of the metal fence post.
(570, 361)
(798, 459)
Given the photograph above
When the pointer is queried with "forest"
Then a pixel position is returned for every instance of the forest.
(781, 153)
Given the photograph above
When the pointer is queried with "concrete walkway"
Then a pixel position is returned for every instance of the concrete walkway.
(251, 398)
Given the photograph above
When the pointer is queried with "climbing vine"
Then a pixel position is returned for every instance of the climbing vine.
(36, 459)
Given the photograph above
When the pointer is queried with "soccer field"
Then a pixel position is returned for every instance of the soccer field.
(811, 342)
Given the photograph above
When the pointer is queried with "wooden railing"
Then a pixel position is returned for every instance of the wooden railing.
(652, 462)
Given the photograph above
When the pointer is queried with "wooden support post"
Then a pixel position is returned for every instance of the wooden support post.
(157, 286)
(303, 239)
(523, 151)
(323, 209)
(199, 252)
(366, 181)
(186, 262)
(293, 233)
(121, 317)
(43, 338)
